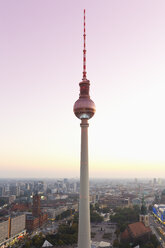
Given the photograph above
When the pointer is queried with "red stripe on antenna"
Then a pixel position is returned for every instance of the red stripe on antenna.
(84, 51)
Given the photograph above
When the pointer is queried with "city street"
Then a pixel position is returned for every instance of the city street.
(154, 224)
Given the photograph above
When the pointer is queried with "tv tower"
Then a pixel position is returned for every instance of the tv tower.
(84, 108)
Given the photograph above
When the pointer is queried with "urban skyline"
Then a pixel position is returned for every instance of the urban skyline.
(41, 63)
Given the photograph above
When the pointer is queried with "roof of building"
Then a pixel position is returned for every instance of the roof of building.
(137, 229)
(125, 234)
(104, 244)
(47, 244)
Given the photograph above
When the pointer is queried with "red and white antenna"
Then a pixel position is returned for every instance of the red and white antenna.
(84, 52)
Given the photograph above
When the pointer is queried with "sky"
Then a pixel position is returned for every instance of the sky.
(41, 46)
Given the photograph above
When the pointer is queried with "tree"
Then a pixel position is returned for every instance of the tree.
(150, 208)
(95, 217)
(28, 244)
(60, 242)
(2, 202)
(96, 207)
(148, 245)
(66, 235)
(154, 240)
(116, 243)
(117, 232)
(37, 240)
(106, 210)
(125, 215)
(127, 245)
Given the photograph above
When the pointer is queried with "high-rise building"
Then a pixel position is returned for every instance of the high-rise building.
(15, 190)
(154, 181)
(84, 109)
(162, 199)
(36, 205)
(2, 191)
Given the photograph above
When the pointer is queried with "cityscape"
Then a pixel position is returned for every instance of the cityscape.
(32, 211)
(98, 183)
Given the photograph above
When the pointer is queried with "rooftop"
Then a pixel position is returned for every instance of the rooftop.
(137, 229)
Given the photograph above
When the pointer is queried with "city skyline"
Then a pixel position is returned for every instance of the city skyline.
(41, 66)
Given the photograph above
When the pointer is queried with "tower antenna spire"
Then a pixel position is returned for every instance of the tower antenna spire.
(84, 51)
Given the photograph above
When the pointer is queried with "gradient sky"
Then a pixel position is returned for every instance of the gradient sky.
(41, 66)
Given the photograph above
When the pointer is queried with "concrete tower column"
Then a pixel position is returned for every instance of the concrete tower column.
(84, 209)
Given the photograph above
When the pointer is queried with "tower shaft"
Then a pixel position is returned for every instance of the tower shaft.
(84, 210)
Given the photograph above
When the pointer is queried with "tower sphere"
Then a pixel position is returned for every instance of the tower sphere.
(84, 107)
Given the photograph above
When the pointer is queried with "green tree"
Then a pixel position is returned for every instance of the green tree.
(150, 207)
(106, 210)
(60, 242)
(125, 216)
(116, 243)
(2, 202)
(28, 244)
(95, 217)
(154, 240)
(148, 245)
(67, 234)
(117, 232)
(38, 240)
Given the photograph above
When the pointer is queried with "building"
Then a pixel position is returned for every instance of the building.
(159, 212)
(11, 228)
(15, 190)
(114, 201)
(8, 199)
(144, 217)
(162, 199)
(4, 230)
(32, 222)
(101, 244)
(37, 218)
(54, 212)
(36, 211)
(139, 231)
(20, 207)
(47, 244)
(2, 191)
(135, 233)
(84, 109)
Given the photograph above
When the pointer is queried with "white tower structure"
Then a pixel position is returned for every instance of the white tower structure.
(84, 109)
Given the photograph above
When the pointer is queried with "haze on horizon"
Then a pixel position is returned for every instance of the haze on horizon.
(41, 66)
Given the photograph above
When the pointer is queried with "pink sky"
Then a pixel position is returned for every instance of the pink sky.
(41, 66)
